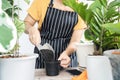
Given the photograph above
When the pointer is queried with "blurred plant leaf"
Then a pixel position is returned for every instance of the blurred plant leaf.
(115, 28)
(5, 35)
(6, 4)
(27, 1)
(19, 25)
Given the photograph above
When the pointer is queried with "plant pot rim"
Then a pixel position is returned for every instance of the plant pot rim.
(26, 57)
(96, 56)
(86, 43)
(110, 51)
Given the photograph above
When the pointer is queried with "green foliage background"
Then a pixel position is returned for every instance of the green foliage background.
(102, 18)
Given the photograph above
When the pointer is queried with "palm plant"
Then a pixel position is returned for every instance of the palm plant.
(102, 18)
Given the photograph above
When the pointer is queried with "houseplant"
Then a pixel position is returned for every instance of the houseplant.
(104, 25)
(105, 30)
(102, 18)
(96, 16)
(13, 12)
(12, 67)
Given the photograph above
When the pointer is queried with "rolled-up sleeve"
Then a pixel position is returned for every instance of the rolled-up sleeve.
(35, 9)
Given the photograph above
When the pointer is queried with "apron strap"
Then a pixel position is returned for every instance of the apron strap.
(51, 3)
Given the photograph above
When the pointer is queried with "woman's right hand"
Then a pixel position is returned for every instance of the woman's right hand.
(34, 36)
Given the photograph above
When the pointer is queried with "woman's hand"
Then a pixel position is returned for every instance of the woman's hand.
(34, 36)
(65, 60)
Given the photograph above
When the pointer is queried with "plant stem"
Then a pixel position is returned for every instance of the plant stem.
(13, 11)
(16, 52)
(101, 42)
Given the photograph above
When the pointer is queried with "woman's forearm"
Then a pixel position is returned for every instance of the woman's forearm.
(29, 23)
(27, 27)
(72, 47)
(75, 40)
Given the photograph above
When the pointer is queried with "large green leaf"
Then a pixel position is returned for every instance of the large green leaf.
(80, 8)
(8, 34)
(112, 27)
(27, 1)
(111, 14)
(88, 16)
(19, 25)
(5, 35)
(95, 29)
(103, 2)
(6, 4)
(94, 5)
(114, 3)
(89, 35)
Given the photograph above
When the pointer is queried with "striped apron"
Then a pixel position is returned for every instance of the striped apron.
(57, 29)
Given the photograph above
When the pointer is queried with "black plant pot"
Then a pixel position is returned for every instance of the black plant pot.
(52, 68)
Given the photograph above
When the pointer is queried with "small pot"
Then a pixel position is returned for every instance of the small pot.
(52, 68)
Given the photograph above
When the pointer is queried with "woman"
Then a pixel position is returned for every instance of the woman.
(59, 26)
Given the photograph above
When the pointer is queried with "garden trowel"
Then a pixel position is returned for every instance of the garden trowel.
(47, 52)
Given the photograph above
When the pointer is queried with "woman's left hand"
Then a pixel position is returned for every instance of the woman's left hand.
(64, 60)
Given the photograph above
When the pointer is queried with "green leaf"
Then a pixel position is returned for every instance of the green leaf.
(6, 4)
(19, 25)
(94, 5)
(111, 13)
(103, 2)
(114, 4)
(80, 8)
(88, 16)
(27, 1)
(112, 27)
(5, 35)
(89, 35)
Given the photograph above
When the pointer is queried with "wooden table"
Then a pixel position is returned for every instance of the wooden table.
(63, 75)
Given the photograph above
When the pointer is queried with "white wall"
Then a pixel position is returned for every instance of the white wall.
(25, 45)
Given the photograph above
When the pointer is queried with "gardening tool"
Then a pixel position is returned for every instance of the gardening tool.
(46, 52)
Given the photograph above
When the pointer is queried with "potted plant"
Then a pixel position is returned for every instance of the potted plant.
(98, 17)
(105, 32)
(102, 18)
(12, 66)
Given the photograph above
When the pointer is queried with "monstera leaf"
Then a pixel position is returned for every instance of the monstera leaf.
(8, 33)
